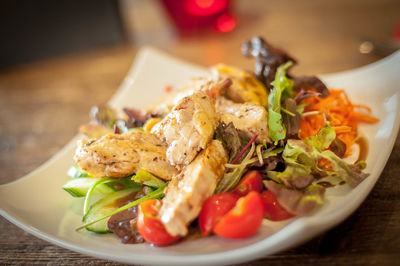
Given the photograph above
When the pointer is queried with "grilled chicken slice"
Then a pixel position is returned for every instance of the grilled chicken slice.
(118, 156)
(187, 191)
(249, 118)
(213, 87)
(188, 128)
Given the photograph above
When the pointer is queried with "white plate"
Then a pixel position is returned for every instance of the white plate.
(37, 204)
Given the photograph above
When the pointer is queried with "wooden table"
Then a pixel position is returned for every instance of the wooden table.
(42, 104)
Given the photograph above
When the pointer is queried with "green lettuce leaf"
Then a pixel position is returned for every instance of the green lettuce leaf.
(276, 128)
(281, 90)
(300, 108)
(307, 154)
(347, 172)
(231, 179)
(146, 178)
(323, 139)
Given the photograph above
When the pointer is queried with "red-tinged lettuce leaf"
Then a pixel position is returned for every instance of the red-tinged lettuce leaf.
(230, 138)
(123, 224)
(270, 158)
(338, 147)
(268, 58)
(309, 83)
(291, 120)
(104, 115)
(298, 202)
(295, 177)
(137, 118)
(269, 163)
(303, 94)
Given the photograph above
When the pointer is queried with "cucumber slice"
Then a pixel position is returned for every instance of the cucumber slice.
(102, 207)
(78, 187)
(76, 172)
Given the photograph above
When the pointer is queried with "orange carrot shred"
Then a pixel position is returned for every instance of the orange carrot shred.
(340, 112)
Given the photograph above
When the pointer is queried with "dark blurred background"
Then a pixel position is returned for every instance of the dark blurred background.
(34, 30)
(41, 29)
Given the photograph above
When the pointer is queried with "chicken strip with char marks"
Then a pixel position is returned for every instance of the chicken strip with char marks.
(120, 155)
(188, 128)
(187, 191)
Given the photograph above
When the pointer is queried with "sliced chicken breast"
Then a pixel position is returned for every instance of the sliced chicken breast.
(187, 191)
(119, 155)
(249, 118)
(212, 86)
(188, 128)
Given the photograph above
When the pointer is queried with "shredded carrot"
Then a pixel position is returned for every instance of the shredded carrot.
(340, 112)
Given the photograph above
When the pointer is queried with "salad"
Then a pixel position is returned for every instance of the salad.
(219, 154)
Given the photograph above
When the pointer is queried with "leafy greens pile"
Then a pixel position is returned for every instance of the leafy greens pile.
(294, 170)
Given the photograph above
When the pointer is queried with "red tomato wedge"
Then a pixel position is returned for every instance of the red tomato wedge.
(251, 181)
(244, 219)
(214, 208)
(273, 210)
(149, 225)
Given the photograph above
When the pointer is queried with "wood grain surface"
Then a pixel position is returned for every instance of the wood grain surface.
(42, 104)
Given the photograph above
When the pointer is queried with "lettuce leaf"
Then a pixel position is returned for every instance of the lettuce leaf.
(231, 179)
(281, 90)
(298, 202)
(323, 139)
(291, 120)
(306, 155)
(293, 176)
(104, 115)
(229, 136)
(146, 178)
(347, 172)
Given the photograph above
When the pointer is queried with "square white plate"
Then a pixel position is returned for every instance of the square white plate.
(37, 204)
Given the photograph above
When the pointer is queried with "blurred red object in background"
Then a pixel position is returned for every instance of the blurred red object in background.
(191, 16)
(396, 33)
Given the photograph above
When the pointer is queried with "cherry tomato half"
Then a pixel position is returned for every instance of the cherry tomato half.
(149, 225)
(244, 219)
(273, 210)
(251, 181)
(214, 208)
